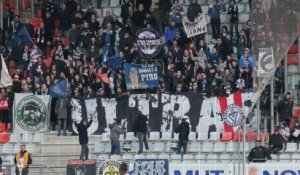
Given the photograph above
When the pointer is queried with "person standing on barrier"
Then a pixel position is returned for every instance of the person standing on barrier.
(259, 153)
(184, 130)
(141, 130)
(61, 110)
(115, 132)
(22, 161)
(82, 128)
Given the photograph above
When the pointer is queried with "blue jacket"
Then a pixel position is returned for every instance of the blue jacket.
(214, 12)
(242, 61)
(170, 33)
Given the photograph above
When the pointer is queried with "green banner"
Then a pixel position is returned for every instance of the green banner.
(31, 113)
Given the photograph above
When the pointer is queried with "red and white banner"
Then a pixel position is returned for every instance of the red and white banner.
(232, 112)
(3, 104)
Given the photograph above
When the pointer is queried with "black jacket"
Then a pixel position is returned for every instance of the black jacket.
(82, 130)
(258, 154)
(285, 108)
(140, 124)
(276, 140)
(184, 130)
(233, 11)
(193, 11)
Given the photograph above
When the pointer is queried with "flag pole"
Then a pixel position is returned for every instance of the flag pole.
(108, 68)
(29, 36)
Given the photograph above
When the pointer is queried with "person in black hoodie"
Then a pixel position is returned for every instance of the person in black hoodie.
(193, 10)
(82, 128)
(139, 16)
(285, 108)
(184, 130)
(276, 142)
(141, 129)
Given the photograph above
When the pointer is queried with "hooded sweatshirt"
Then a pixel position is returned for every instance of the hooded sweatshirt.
(116, 131)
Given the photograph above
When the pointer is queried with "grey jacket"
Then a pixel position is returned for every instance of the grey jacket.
(116, 131)
(61, 108)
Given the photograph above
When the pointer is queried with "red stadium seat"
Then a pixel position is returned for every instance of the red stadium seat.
(292, 122)
(296, 113)
(238, 136)
(226, 136)
(294, 49)
(264, 136)
(293, 59)
(3, 127)
(251, 136)
(39, 13)
(35, 22)
(26, 4)
(65, 41)
(4, 137)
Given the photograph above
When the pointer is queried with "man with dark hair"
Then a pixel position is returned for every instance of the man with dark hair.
(115, 132)
(215, 20)
(285, 108)
(259, 153)
(82, 128)
(184, 130)
(276, 142)
(123, 168)
(141, 129)
(193, 10)
(22, 161)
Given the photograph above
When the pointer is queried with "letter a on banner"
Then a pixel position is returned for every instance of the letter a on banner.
(265, 62)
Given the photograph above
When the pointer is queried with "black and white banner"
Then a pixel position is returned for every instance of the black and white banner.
(265, 61)
(149, 42)
(163, 110)
(195, 28)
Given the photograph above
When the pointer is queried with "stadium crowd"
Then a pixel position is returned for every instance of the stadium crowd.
(70, 43)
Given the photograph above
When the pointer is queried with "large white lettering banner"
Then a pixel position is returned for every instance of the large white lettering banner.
(233, 169)
(195, 28)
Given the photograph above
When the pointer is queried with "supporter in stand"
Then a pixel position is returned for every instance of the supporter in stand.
(295, 133)
(276, 142)
(285, 108)
(61, 109)
(115, 132)
(193, 10)
(259, 153)
(51, 7)
(215, 20)
(141, 129)
(233, 11)
(183, 129)
(66, 18)
(22, 161)
(82, 128)
(124, 10)
(176, 13)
